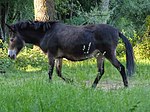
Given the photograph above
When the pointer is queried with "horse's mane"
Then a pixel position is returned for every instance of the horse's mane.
(34, 25)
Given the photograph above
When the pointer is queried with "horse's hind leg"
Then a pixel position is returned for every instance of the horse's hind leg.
(100, 65)
(112, 58)
(59, 68)
(58, 63)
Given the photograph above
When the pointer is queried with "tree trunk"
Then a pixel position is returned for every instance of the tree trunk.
(44, 10)
(105, 11)
(3, 17)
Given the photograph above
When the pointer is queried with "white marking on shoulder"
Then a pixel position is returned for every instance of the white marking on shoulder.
(104, 53)
(88, 48)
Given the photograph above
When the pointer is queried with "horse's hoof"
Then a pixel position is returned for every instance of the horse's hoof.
(69, 80)
(94, 86)
(126, 86)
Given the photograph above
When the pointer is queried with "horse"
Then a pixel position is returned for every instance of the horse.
(75, 43)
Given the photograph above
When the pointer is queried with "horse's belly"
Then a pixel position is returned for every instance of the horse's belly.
(76, 57)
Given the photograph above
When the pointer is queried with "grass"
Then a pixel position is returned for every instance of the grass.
(25, 87)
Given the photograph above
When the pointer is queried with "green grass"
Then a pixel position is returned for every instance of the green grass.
(25, 87)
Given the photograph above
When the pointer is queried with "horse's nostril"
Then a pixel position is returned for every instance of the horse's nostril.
(13, 57)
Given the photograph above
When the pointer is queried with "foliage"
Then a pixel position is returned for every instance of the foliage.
(24, 60)
(129, 16)
(4, 61)
(1, 43)
(142, 50)
(147, 20)
(35, 56)
(87, 5)
(139, 46)
(20, 10)
(142, 46)
(94, 16)
(66, 9)
(133, 11)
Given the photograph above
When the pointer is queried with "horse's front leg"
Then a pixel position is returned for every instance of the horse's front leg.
(51, 65)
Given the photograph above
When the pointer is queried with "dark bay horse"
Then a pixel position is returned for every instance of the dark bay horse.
(75, 43)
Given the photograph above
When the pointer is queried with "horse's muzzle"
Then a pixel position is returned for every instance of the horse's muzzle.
(12, 54)
(12, 57)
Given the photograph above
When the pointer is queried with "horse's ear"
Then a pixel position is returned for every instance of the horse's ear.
(12, 29)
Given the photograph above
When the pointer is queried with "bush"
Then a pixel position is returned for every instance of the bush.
(4, 61)
(142, 50)
(141, 45)
(27, 58)
(31, 57)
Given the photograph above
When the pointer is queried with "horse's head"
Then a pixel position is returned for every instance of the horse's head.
(16, 42)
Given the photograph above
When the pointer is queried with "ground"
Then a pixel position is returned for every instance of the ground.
(25, 87)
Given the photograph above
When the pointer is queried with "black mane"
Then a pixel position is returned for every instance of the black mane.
(33, 25)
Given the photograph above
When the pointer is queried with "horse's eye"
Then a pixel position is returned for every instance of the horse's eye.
(11, 39)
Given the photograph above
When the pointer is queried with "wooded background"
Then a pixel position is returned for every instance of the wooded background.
(132, 17)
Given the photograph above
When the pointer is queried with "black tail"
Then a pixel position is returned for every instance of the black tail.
(129, 55)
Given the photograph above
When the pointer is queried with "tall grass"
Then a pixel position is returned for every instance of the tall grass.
(25, 87)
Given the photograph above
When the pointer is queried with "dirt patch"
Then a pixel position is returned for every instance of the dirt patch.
(115, 85)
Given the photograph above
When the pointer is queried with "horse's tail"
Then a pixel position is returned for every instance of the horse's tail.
(129, 55)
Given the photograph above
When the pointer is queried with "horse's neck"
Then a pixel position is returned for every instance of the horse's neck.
(33, 37)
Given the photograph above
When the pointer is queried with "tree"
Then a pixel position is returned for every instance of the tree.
(12, 11)
(3, 17)
(44, 10)
(105, 11)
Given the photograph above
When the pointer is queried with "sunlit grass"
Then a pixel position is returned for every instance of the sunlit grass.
(32, 69)
(25, 87)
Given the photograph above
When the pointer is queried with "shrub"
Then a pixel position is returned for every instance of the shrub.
(4, 61)
(26, 58)
(142, 50)
(31, 57)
